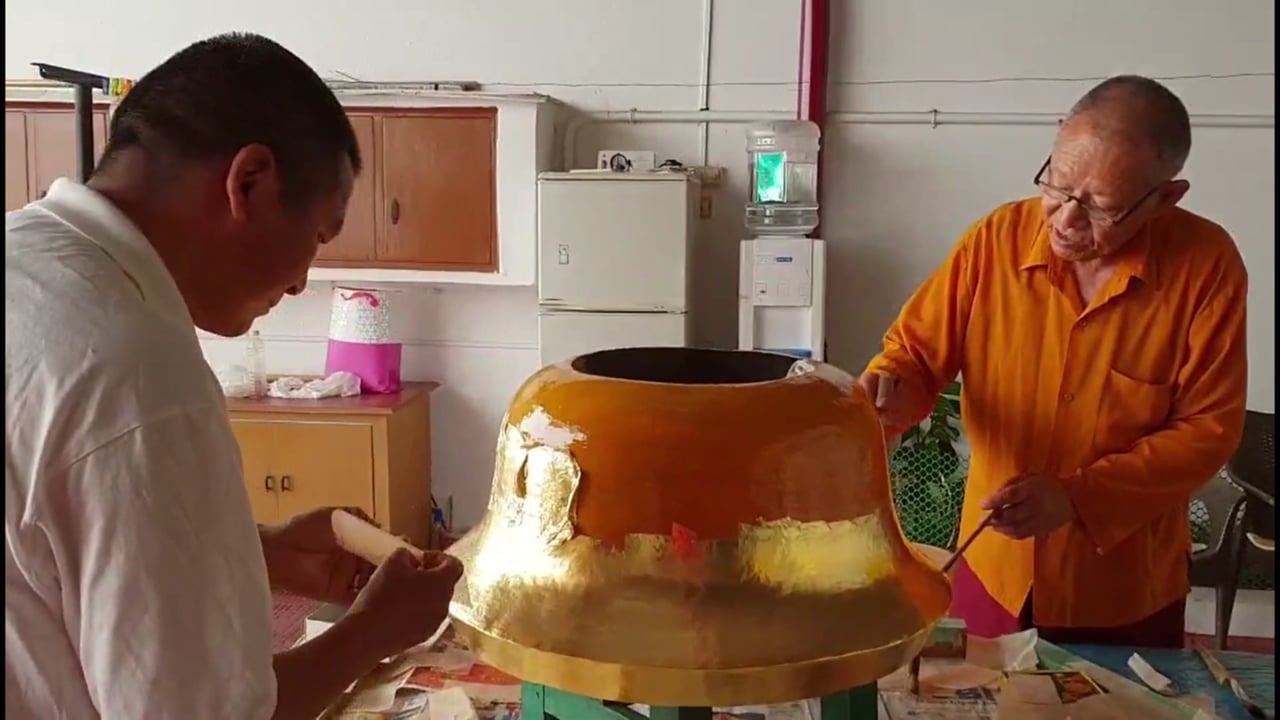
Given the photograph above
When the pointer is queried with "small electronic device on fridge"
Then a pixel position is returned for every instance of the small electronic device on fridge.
(613, 260)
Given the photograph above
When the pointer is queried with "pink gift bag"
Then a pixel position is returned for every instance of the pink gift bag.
(360, 340)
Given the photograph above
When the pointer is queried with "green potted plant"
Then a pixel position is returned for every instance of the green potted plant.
(928, 474)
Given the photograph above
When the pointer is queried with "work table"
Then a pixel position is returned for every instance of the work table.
(1255, 672)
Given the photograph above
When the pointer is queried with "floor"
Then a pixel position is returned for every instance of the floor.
(290, 612)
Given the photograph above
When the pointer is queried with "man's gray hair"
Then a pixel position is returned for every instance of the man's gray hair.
(1143, 110)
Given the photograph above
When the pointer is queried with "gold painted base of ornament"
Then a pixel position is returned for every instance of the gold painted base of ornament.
(682, 687)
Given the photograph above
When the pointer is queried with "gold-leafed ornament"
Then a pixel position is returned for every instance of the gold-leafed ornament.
(677, 526)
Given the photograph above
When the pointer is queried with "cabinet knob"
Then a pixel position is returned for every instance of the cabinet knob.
(395, 211)
(42, 194)
(269, 483)
(286, 483)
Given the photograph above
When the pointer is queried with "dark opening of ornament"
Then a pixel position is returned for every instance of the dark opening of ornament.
(685, 366)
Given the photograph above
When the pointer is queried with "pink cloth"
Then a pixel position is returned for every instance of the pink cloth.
(376, 364)
(970, 602)
(984, 617)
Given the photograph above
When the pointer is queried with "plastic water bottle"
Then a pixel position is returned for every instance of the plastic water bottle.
(256, 359)
(783, 161)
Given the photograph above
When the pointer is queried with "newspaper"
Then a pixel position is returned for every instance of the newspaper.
(1031, 695)
(1048, 695)
(965, 689)
(433, 681)
(1138, 701)
(803, 710)
(444, 705)
(404, 707)
(1019, 677)
(785, 711)
(977, 703)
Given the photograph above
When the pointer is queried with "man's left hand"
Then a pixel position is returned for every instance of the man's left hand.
(1030, 506)
(303, 557)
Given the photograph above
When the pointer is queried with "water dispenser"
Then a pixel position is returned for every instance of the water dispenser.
(782, 271)
(783, 160)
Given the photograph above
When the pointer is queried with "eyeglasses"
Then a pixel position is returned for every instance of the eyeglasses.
(1096, 215)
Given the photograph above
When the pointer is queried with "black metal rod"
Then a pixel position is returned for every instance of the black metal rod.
(84, 132)
(84, 84)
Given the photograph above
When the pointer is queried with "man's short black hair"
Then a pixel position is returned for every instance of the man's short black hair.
(1147, 109)
(217, 96)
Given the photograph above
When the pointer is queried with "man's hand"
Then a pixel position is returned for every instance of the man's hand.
(403, 605)
(303, 557)
(1030, 505)
(891, 402)
(406, 600)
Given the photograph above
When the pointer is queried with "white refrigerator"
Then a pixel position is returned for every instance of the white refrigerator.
(613, 260)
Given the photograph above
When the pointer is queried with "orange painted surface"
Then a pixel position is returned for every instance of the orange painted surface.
(706, 458)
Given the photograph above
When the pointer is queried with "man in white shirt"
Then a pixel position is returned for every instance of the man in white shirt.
(136, 583)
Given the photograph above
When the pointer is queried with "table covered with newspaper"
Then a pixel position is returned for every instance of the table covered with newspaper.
(1013, 677)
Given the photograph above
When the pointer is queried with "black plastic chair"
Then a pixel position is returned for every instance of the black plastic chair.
(1253, 470)
(1240, 505)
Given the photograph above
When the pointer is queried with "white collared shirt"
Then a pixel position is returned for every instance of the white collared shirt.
(135, 585)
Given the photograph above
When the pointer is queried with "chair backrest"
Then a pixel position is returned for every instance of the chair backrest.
(1254, 462)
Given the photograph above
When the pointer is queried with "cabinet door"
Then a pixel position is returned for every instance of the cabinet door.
(323, 464)
(356, 242)
(256, 441)
(438, 200)
(51, 146)
(15, 160)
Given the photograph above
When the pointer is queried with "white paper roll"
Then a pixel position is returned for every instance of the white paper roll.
(360, 315)
(366, 541)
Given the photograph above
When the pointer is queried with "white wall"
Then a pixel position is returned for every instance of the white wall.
(897, 196)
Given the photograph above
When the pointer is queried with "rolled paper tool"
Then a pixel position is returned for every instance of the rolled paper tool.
(367, 541)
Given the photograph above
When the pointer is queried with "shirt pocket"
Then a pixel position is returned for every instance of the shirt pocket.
(1129, 410)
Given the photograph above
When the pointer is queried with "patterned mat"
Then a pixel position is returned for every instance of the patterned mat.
(288, 615)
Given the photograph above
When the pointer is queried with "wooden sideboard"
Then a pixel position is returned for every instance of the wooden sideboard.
(372, 452)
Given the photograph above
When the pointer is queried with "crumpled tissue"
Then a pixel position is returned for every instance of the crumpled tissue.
(237, 382)
(339, 384)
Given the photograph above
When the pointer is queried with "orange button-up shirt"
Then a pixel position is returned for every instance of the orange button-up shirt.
(1135, 401)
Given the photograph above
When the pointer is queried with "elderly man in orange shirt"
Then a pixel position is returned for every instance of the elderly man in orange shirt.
(1100, 333)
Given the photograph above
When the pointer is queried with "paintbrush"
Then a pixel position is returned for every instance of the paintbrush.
(955, 556)
(1224, 678)
(913, 671)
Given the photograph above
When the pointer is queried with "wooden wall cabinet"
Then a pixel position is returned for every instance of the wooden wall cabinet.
(448, 192)
(371, 452)
(426, 199)
(354, 245)
(40, 147)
